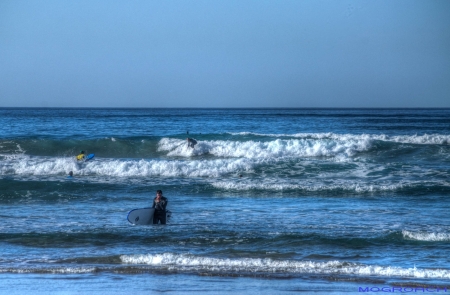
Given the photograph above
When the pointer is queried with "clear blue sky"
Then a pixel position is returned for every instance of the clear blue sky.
(227, 53)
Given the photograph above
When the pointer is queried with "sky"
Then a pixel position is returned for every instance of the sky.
(225, 53)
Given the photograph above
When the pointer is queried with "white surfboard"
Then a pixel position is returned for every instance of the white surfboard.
(141, 216)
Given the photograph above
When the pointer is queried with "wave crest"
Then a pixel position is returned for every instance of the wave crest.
(26, 165)
(271, 149)
(426, 236)
(188, 261)
(412, 139)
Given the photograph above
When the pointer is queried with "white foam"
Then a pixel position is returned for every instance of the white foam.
(19, 149)
(277, 148)
(426, 236)
(26, 165)
(272, 185)
(413, 139)
(62, 270)
(187, 261)
(320, 185)
(352, 180)
(9, 148)
(199, 168)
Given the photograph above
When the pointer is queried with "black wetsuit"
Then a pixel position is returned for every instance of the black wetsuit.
(160, 210)
(191, 142)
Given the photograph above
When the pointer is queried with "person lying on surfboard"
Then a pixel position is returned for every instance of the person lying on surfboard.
(160, 204)
(81, 156)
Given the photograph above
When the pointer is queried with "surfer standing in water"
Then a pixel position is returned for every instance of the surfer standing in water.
(160, 204)
(191, 142)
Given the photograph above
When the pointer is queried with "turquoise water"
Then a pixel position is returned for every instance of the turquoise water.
(269, 200)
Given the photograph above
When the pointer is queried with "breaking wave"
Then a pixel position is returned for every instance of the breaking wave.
(426, 236)
(271, 149)
(26, 165)
(252, 265)
(187, 263)
(318, 186)
(412, 139)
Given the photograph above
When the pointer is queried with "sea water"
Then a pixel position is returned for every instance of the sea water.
(270, 201)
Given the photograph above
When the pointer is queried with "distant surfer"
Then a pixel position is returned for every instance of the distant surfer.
(70, 175)
(81, 156)
(191, 142)
(160, 204)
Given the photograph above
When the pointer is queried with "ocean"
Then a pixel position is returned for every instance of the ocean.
(270, 201)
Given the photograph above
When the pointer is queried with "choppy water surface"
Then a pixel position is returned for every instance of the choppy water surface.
(269, 201)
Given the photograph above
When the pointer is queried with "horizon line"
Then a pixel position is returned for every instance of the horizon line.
(243, 108)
